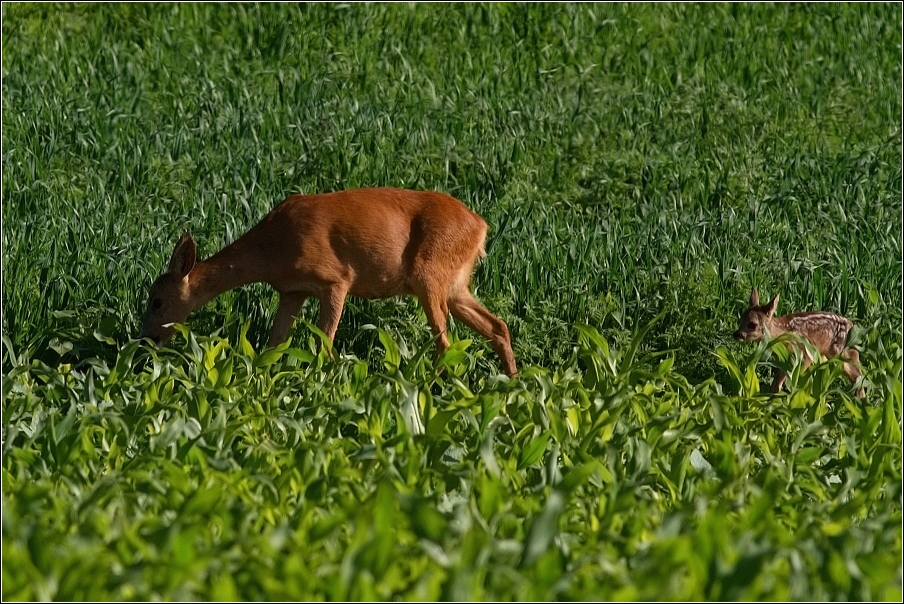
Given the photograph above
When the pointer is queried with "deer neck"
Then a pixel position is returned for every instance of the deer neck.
(777, 326)
(235, 265)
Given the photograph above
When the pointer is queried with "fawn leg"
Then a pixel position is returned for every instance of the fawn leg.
(852, 368)
(780, 375)
(779, 380)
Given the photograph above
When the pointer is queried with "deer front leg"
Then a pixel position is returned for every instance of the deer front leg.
(289, 305)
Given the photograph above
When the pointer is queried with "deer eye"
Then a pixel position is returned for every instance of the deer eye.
(156, 303)
(751, 325)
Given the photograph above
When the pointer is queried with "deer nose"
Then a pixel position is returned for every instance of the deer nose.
(737, 335)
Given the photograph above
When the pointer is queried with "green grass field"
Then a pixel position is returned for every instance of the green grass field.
(641, 168)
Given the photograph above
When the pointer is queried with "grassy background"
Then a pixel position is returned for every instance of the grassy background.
(631, 160)
(628, 158)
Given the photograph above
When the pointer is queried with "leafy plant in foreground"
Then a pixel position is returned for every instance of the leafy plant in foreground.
(222, 472)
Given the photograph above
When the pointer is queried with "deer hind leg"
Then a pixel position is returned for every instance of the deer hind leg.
(289, 305)
(852, 367)
(437, 310)
(468, 310)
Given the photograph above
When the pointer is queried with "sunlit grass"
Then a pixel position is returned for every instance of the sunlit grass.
(221, 472)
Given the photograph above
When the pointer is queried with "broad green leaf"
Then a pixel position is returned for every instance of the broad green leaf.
(543, 528)
(533, 450)
(438, 422)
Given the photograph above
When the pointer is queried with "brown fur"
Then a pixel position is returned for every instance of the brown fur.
(372, 243)
(826, 331)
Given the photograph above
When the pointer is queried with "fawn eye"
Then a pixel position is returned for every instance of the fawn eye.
(751, 325)
(156, 303)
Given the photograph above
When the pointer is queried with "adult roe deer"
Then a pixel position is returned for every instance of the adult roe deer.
(826, 331)
(372, 243)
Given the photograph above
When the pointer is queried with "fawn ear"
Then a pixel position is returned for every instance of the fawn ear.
(770, 308)
(184, 256)
(754, 298)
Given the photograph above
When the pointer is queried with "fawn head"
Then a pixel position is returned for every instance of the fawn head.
(169, 299)
(754, 319)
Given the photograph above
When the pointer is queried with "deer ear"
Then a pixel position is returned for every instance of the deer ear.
(754, 298)
(770, 308)
(184, 256)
